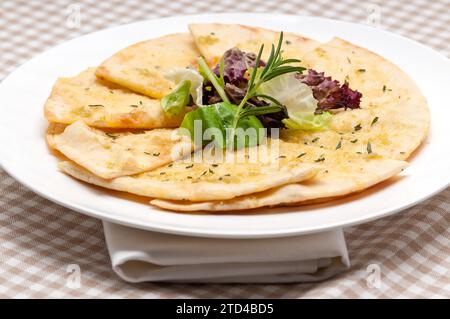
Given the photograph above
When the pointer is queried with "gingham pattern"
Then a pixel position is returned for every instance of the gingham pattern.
(39, 240)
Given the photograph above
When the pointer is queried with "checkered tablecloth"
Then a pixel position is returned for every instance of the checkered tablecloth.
(42, 245)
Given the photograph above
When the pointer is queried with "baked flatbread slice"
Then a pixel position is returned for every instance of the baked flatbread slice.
(330, 183)
(110, 155)
(206, 180)
(213, 39)
(104, 105)
(394, 117)
(142, 67)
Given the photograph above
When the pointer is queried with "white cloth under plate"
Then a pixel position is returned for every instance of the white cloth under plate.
(139, 256)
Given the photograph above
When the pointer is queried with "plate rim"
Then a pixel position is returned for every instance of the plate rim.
(223, 234)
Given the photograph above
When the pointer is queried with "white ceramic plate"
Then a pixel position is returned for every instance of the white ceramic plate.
(25, 156)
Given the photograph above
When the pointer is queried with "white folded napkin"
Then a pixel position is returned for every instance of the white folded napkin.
(139, 256)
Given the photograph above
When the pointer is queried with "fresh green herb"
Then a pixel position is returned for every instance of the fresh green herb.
(221, 72)
(375, 119)
(358, 127)
(227, 117)
(218, 83)
(301, 155)
(369, 148)
(175, 102)
(261, 110)
(339, 145)
(275, 66)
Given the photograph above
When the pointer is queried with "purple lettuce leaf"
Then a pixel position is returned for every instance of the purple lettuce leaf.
(236, 63)
(329, 93)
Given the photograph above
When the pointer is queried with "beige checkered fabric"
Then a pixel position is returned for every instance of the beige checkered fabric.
(40, 241)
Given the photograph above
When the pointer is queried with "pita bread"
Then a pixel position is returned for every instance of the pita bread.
(105, 105)
(141, 67)
(189, 180)
(363, 146)
(213, 39)
(110, 155)
(394, 116)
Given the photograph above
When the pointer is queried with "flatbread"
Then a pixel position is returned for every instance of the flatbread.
(105, 105)
(110, 155)
(337, 179)
(213, 39)
(394, 116)
(194, 181)
(363, 146)
(141, 67)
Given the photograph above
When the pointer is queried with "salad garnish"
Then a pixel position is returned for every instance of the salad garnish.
(242, 91)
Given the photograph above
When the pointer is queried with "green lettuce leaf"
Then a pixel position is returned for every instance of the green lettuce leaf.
(216, 126)
(308, 121)
(174, 103)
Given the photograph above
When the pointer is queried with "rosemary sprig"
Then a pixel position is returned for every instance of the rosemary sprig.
(275, 66)
(261, 110)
